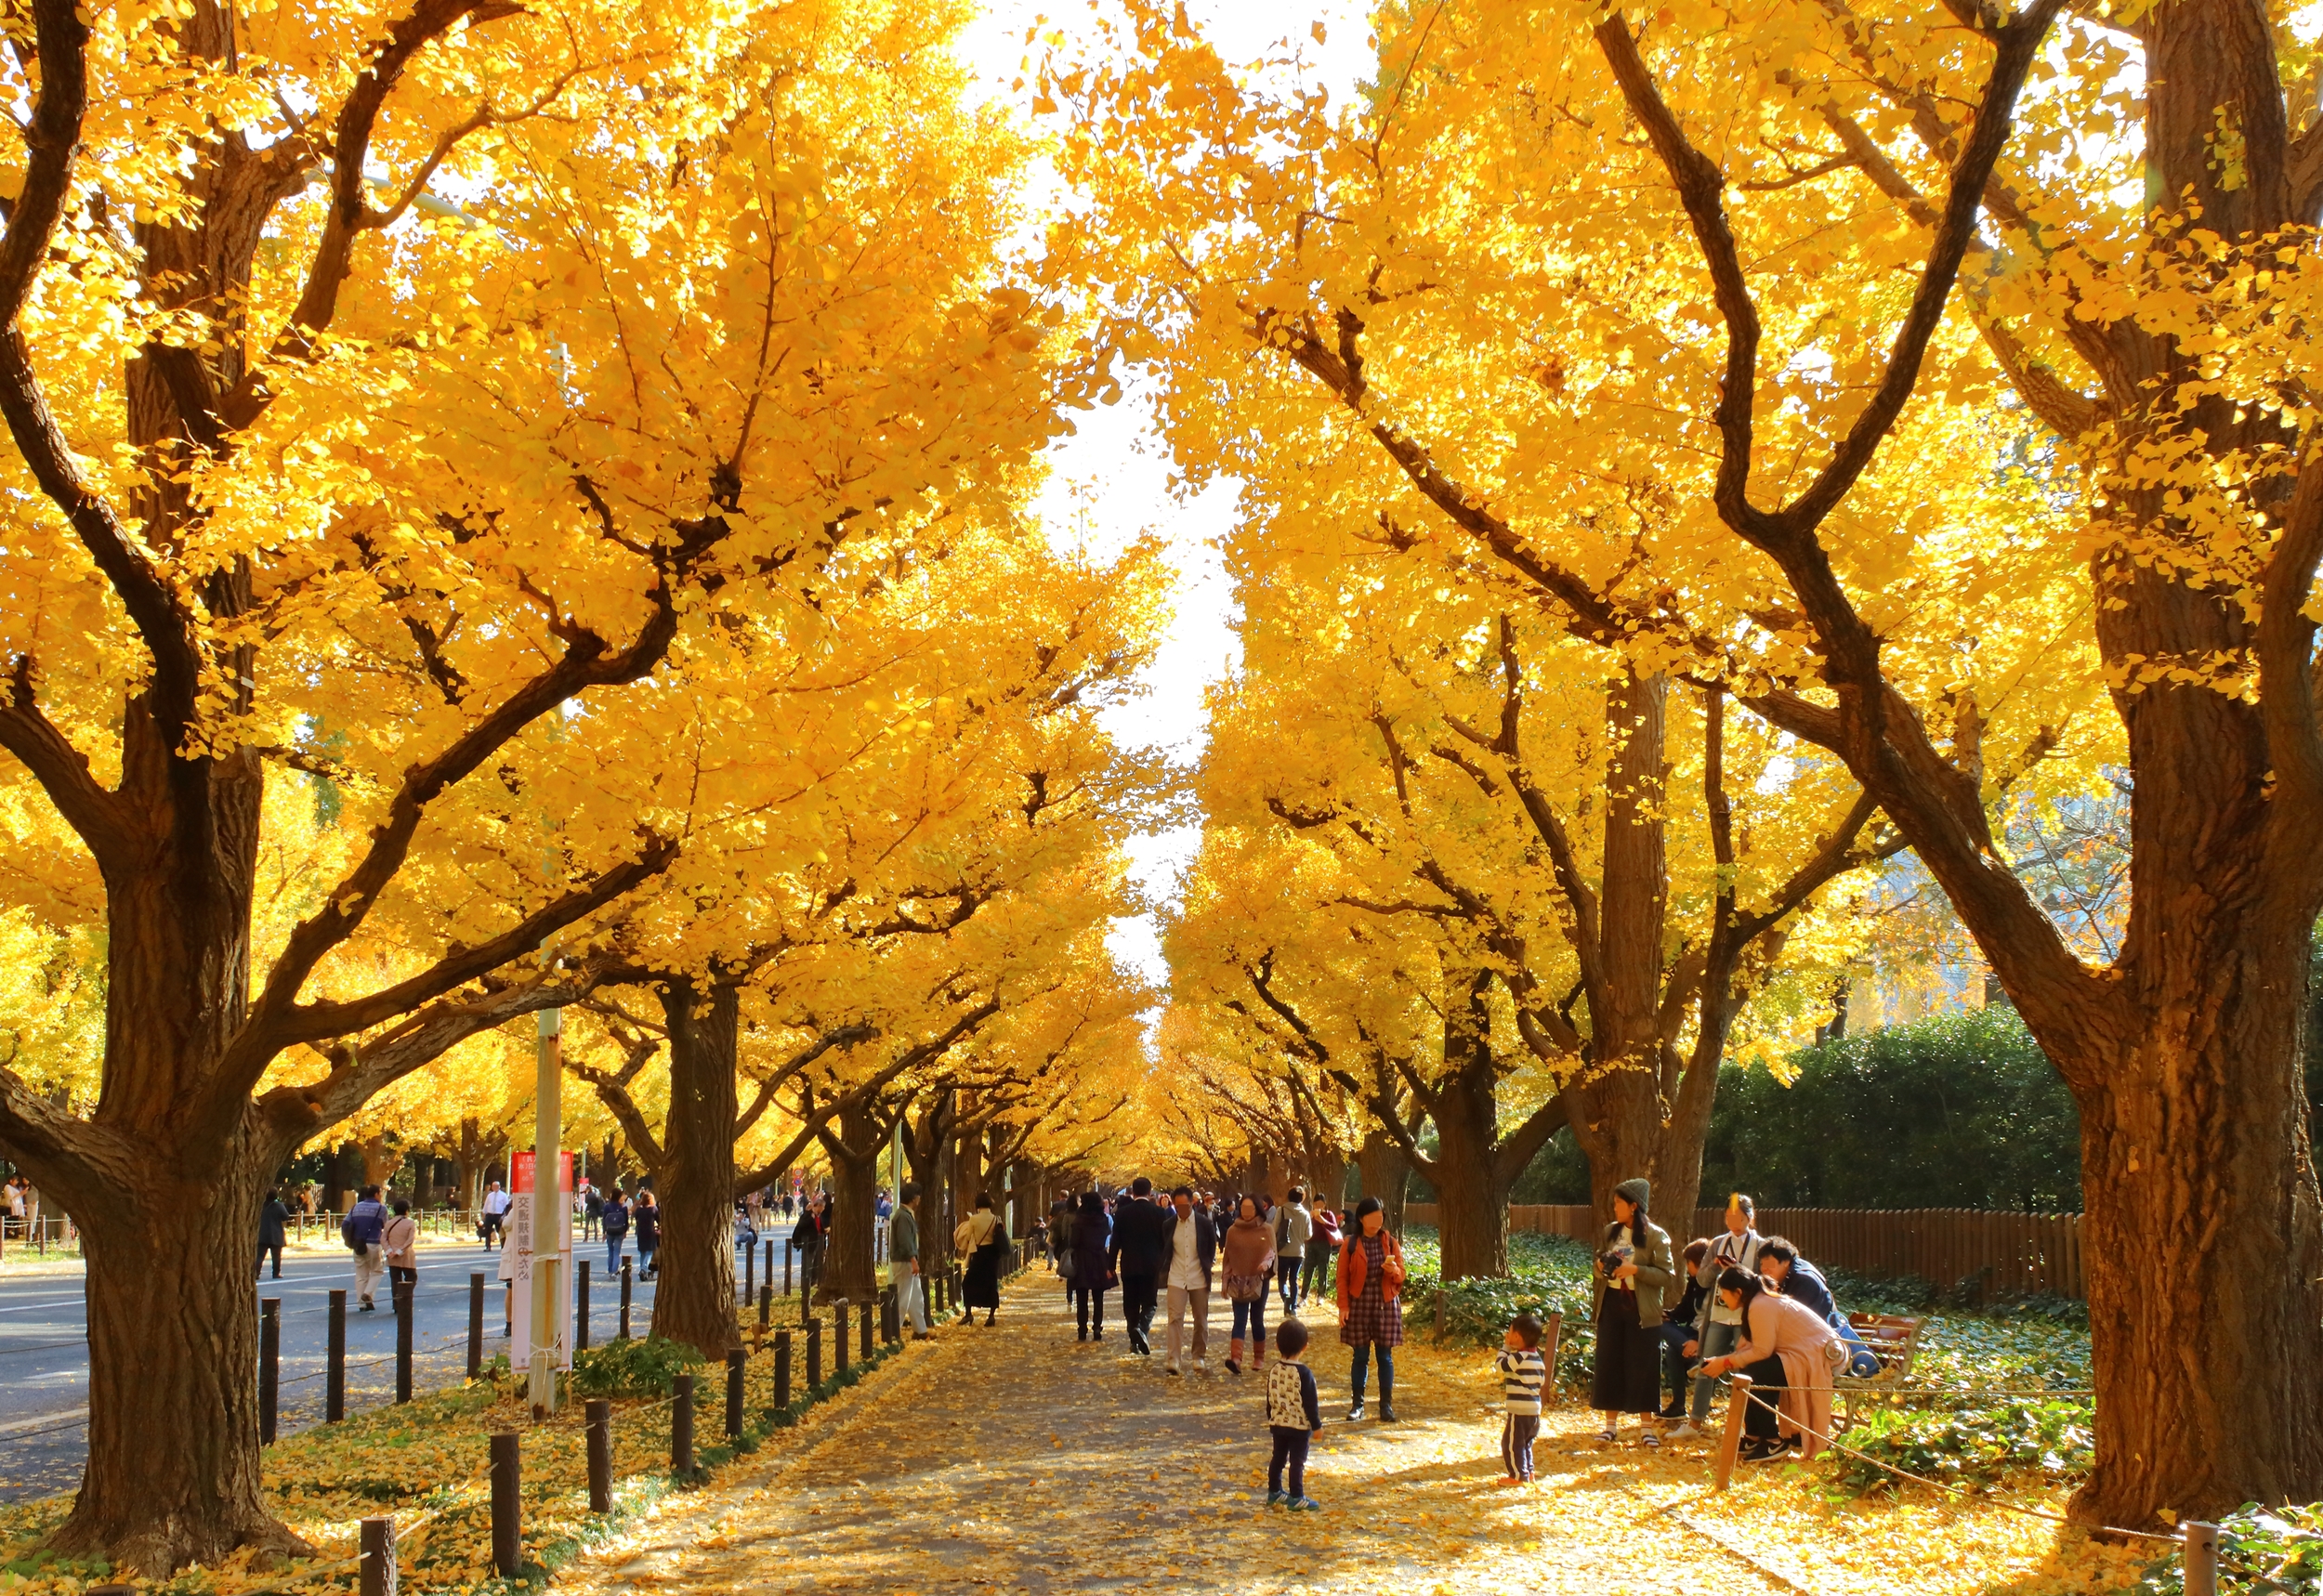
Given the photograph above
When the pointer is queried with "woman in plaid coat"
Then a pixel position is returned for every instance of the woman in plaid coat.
(1370, 1281)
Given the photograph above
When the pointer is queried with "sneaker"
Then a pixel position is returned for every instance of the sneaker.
(1684, 1432)
(1201, 1365)
(1274, 1498)
(1675, 1410)
(1304, 1505)
(1170, 1367)
(1651, 1436)
(1757, 1451)
(1608, 1436)
(1354, 1410)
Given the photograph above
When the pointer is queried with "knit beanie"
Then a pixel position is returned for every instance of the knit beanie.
(1637, 1190)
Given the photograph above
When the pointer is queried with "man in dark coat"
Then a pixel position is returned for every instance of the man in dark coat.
(1138, 1253)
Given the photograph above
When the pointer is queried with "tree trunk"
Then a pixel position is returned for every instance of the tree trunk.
(1383, 1171)
(173, 1472)
(333, 1180)
(1326, 1177)
(694, 1300)
(1471, 1194)
(849, 1270)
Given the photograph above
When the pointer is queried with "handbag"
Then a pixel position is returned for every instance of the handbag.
(1245, 1287)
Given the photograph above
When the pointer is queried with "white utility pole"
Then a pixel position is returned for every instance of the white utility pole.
(552, 1216)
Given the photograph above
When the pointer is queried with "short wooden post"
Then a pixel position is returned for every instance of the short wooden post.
(376, 1564)
(508, 1503)
(2201, 1559)
(889, 1310)
(597, 1421)
(766, 1283)
(814, 1358)
(581, 1306)
(765, 1305)
(781, 1370)
(1550, 1333)
(628, 1276)
(681, 1427)
(869, 1316)
(475, 1325)
(842, 1341)
(750, 1273)
(737, 1362)
(786, 1266)
(334, 1361)
(270, 1365)
(1730, 1442)
(403, 1289)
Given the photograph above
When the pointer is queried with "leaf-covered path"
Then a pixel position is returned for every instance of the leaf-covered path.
(1016, 1458)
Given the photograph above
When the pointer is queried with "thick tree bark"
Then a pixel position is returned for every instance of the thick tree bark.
(694, 1298)
(1383, 1170)
(848, 1269)
(173, 1474)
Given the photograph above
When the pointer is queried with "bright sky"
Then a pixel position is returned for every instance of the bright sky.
(1112, 480)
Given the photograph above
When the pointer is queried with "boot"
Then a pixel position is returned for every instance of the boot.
(1234, 1356)
(1386, 1403)
(1258, 1356)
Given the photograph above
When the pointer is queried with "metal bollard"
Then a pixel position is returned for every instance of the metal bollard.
(508, 1503)
(737, 1361)
(841, 1340)
(581, 1307)
(598, 1423)
(814, 1356)
(2201, 1559)
(781, 1370)
(628, 1276)
(378, 1560)
(681, 1427)
(334, 1361)
(270, 1365)
(403, 1299)
(475, 1326)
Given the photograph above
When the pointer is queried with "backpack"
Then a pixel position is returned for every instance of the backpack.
(348, 1234)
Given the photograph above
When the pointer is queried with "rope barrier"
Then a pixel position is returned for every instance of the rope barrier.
(1960, 1490)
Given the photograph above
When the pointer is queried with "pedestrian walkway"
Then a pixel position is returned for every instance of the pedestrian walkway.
(1016, 1459)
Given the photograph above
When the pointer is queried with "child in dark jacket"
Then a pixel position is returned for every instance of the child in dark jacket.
(1294, 1414)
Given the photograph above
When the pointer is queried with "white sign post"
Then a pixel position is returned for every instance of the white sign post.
(539, 1249)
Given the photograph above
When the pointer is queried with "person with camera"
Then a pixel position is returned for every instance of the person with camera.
(1635, 1265)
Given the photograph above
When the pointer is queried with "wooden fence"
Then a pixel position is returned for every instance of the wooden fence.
(2004, 1254)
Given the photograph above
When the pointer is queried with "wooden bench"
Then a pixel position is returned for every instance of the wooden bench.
(1892, 1339)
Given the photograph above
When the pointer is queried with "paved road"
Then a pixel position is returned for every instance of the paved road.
(44, 1349)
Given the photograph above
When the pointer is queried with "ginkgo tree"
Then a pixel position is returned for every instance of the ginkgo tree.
(330, 337)
(1762, 267)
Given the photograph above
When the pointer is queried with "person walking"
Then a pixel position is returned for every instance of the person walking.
(982, 1240)
(616, 1222)
(1190, 1244)
(1789, 1352)
(365, 1223)
(592, 1209)
(807, 1236)
(1250, 1259)
(647, 1219)
(1138, 1255)
(495, 1221)
(1087, 1274)
(1292, 1228)
(1295, 1411)
(903, 1261)
(273, 1226)
(1322, 1248)
(1635, 1264)
(1060, 1242)
(1371, 1307)
(399, 1247)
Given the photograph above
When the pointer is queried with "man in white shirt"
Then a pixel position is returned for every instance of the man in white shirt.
(495, 1213)
(1190, 1247)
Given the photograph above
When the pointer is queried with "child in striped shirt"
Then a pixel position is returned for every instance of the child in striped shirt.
(1523, 1373)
